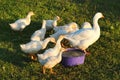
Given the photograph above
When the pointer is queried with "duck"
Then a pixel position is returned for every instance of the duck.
(33, 47)
(85, 37)
(52, 51)
(63, 30)
(39, 34)
(51, 61)
(20, 24)
(52, 23)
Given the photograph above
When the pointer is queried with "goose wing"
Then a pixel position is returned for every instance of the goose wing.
(82, 34)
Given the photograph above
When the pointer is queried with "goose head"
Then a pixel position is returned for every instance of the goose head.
(31, 13)
(57, 18)
(22, 46)
(73, 26)
(98, 15)
(52, 40)
(61, 37)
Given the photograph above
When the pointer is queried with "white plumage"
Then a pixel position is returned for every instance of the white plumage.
(85, 37)
(20, 24)
(63, 30)
(51, 61)
(71, 27)
(39, 34)
(86, 25)
(52, 51)
(52, 23)
(35, 46)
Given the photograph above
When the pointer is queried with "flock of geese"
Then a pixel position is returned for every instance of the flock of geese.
(79, 38)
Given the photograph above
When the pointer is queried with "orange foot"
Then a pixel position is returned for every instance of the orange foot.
(52, 72)
(33, 56)
(87, 53)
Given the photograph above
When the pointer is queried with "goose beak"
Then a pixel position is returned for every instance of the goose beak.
(33, 13)
(58, 18)
(103, 17)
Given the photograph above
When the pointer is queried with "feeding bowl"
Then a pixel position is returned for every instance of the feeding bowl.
(73, 57)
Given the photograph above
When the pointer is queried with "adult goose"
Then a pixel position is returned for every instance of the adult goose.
(33, 47)
(52, 23)
(39, 35)
(85, 37)
(20, 24)
(51, 61)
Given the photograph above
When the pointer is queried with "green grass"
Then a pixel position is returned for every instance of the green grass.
(102, 64)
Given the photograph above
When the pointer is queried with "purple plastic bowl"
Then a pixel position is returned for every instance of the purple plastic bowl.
(75, 60)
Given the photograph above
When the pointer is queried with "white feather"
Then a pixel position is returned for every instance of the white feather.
(52, 23)
(39, 34)
(85, 37)
(20, 24)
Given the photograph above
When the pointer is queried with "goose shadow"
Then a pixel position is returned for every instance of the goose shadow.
(13, 58)
(10, 42)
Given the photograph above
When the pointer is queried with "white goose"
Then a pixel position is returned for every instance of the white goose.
(39, 34)
(63, 30)
(20, 24)
(71, 27)
(51, 61)
(85, 37)
(33, 47)
(52, 51)
(52, 23)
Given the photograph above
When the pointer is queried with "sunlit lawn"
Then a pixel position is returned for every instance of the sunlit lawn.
(102, 64)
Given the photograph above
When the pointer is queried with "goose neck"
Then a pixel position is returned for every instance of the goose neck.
(59, 56)
(45, 42)
(58, 45)
(28, 16)
(43, 25)
(95, 23)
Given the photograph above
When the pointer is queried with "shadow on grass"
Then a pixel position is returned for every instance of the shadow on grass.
(10, 39)
(13, 58)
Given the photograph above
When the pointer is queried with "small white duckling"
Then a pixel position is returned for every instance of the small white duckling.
(51, 61)
(20, 24)
(33, 47)
(39, 34)
(52, 23)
